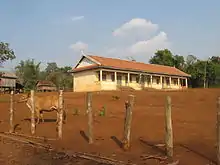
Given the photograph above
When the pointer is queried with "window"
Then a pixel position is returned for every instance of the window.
(148, 79)
(103, 77)
(112, 77)
(137, 79)
(158, 81)
(98, 75)
(143, 79)
(130, 78)
(126, 79)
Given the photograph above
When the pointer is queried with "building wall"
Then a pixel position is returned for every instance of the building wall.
(108, 84)
(89, 81)
(86, 81)
(7, 82)
(132, 82)
(174, 83)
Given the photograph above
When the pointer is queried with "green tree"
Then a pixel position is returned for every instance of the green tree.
(59, 76)
(202, 71)
(215, 63)
(166, 57)
(52, 73)
(179, 62)
(51, 67)
(28, 73)
(67, 79)
(163, 57)
(6, 53)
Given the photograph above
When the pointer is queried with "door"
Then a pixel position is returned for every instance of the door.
(126, 80)
(119, 80)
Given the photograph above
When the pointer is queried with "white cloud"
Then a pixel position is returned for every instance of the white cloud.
(150, 46)
(138, 26)
(78, 46)
(144, 48)
(138, 38)
(77, 18)
(144, 39)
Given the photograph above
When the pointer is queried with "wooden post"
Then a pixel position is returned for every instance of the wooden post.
(60, 114)
(127, 123)
(11, 130)
(168, 128)
(32, 113)
(90, 118)
(218, 131)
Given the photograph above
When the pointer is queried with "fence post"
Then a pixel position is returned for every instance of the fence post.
(218, 131)
(60, 114)
(127, 123)
(168, 128)
(33, 126)
(11, 112)
(90, 118)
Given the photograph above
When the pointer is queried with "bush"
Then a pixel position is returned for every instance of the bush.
(115, 97)
(102, 112)
(76, 111)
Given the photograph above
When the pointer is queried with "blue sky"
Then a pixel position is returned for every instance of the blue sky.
(51, 30)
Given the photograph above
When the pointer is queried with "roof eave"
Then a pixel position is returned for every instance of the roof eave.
(86, 56)
(133, 70)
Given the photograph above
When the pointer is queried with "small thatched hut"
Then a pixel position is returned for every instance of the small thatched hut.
(45, 86)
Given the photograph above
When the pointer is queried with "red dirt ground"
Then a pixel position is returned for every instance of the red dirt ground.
(193, 115)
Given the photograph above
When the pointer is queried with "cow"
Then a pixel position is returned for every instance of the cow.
(43, 103)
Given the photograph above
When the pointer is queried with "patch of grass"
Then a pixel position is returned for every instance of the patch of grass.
(102, 112)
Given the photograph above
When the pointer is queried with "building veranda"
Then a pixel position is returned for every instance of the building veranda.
(96, 73)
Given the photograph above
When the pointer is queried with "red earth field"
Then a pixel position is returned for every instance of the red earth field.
(193, 118)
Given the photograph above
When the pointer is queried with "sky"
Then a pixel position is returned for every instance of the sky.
(57, 31)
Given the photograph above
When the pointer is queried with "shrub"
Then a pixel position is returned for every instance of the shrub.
(115, 97)
(76, 111)
(102, 112)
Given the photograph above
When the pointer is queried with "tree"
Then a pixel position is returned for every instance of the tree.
(202, 72)
(163, 57)
(179, 62)
(190, 60)
(215, 62)
(67, 79)
(166, 57)
(6, 53)
(58, 76)
(51, 67)
(28, 73)
(215, 59)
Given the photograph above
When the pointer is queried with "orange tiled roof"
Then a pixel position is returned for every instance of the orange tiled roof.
(133, 65)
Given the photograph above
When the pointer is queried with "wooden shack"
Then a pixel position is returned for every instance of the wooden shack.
(7, 80)
(45, 86)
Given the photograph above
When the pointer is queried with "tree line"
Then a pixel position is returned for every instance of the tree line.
(28, 72)
(204, 73)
